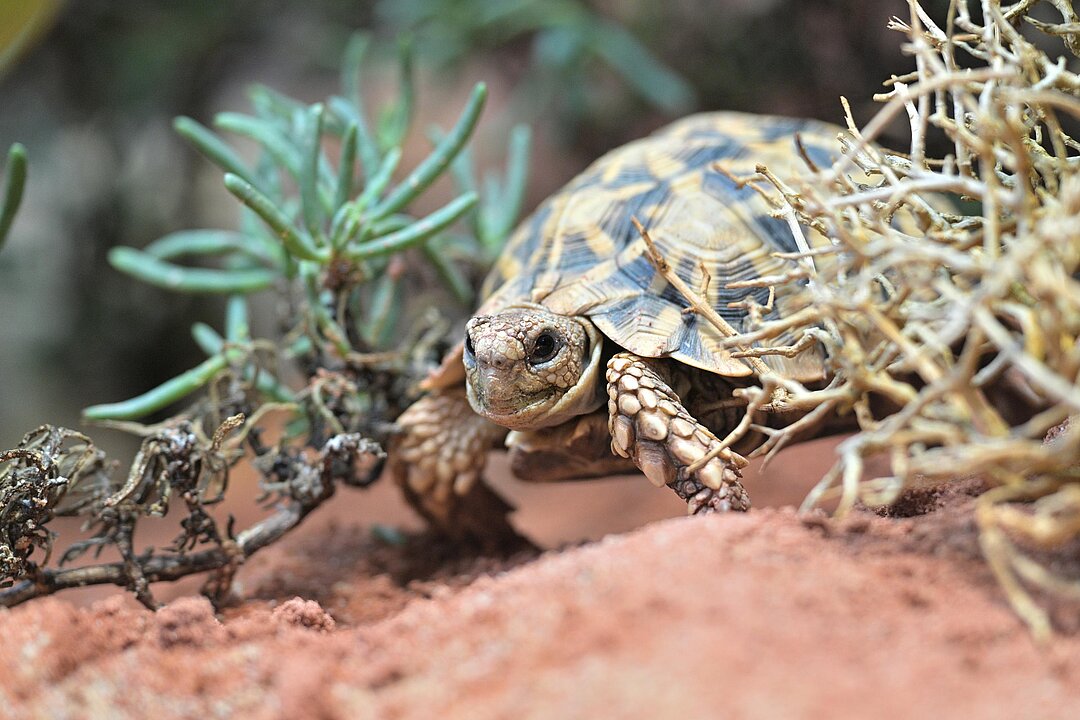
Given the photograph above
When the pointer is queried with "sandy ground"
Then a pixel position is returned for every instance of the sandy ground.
(763, 615)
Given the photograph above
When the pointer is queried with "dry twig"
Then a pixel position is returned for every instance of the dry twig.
(952, 290)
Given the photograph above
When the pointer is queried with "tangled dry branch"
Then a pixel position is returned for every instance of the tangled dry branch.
(59, 472)
(945, 288)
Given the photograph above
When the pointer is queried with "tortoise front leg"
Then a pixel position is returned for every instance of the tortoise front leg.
(649, 425)
(438, 460)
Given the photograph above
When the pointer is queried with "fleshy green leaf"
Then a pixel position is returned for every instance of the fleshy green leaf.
(163, 395)
(434, 164)
(207, 338)
(653, 80)
(351, 108)
(346, 167)
(268, 134)
(270, 104)
(214, 148)
(186, 243)
(299, 244)
(449, 272)
(382, 316)
(236, 320)
(380, 180)
(417, 231)
(13, 192)
(310, 131)
(164, 274)
(503, 201)
(395, 120)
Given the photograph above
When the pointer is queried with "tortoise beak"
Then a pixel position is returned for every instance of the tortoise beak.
(496, 394)
(493, 394)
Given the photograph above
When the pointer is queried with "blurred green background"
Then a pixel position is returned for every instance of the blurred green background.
(91, 86)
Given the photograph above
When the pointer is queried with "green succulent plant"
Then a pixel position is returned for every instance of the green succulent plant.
(323, 231)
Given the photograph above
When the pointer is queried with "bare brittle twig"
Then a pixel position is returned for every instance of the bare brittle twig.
(951, 291)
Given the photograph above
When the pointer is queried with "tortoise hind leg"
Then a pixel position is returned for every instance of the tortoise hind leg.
(438, 460)
(649, 424)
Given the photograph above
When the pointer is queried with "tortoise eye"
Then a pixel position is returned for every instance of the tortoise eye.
(543, 349)
(469, 349)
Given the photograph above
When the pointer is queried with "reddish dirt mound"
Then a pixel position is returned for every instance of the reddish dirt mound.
(758, 615)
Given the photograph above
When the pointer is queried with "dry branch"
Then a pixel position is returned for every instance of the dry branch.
(952, 287)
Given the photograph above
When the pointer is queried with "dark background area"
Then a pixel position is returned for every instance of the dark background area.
(93, 97)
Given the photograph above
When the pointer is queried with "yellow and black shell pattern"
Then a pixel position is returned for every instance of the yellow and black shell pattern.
(579, 253)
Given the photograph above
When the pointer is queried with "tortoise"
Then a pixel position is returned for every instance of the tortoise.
(586, 360)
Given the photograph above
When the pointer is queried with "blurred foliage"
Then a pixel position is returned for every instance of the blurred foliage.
(568, 43)
(14, 181)
(22, 22)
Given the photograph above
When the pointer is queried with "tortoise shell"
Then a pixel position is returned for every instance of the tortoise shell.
(580, 254)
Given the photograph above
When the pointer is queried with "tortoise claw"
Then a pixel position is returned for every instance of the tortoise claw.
(702, 500)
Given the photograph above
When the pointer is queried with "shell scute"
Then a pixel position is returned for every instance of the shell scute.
(579, 253)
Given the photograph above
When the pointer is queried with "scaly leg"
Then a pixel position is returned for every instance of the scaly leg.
(575, 450)
(649, 425)
(438, 460)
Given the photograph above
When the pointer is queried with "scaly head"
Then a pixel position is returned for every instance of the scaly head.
(527, 367)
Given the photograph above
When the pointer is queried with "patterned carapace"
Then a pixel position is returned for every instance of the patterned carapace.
(579, 253)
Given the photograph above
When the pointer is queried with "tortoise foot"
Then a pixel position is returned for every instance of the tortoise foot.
(701, 500)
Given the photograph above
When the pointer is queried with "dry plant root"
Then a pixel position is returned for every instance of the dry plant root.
(649, 424)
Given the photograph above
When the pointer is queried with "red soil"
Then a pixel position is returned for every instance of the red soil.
(759, 615)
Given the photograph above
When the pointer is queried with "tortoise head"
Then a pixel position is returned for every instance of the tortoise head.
(527, 367)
